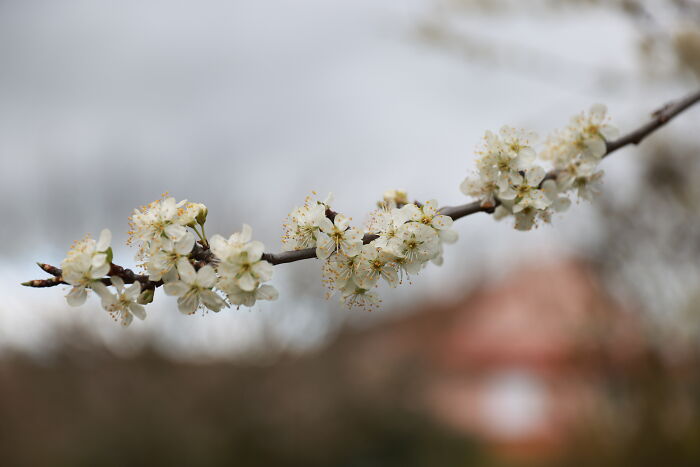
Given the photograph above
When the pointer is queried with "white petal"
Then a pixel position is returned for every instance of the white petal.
(535, 175)
(263, 270)
(117, 282)
(341, 222)
(186, 271)
(177, 288)
(414, 267)
(325, 225)
(598, 111)
(206, 276)
(175, 231)
(137, 310)
(365, 279)
(101, 290)
(187, 304)
(104, 240)
(218, 245)
(98, 260)
(185, 245)
(351, 248)
(133, 291)
(211, 300)
(171, 275)
(391, 276)
(596, 146)
(246, 233)
(247, 282)
(324, 246)
(508, 193)
(127, 318)
(255, 250)
(500, 213)
(411, 212)
(441, 222)
(448, 236)
(525, 158)
(609, 132)
(76, 296)
(267, 292)
(99, 272)
(430, 207)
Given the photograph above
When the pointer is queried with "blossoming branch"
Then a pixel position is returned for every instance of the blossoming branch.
(510, 180)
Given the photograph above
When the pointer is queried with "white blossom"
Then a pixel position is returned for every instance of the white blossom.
(167, 255)
(357, 297)
(194, 288)
(373, 263)
(161, 219)
(240, 259)
(481, 187)
(414, 244)
(428, 214)
(505, 155)
(584, 138)
(337, 236)
(339, 270)
(123, 305)
(224, 248)
(394, 198)
(527, 193)
(191, 213)
(85, 265)
(304, 224)
(385, 223)
(238, 296)
(559, 202)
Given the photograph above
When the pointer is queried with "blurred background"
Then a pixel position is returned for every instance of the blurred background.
(575, 344)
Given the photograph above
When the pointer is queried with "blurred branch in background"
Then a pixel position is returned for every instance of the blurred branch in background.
(667, 37)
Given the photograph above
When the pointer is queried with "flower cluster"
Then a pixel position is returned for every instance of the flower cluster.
(400, 239)
(509, 178)
(85, 265)
(166, 232)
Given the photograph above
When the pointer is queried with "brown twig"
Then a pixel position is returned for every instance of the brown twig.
(203, 255)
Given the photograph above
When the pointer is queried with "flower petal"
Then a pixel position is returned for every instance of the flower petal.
(187, 304)
(267, 292)
(206, 277)
(76, 296)
(137, 310)
(177, 288)
(187, 272)
(104, 240)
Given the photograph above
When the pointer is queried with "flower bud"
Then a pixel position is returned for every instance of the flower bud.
(145, 297)
(201, 216)
(395, 198)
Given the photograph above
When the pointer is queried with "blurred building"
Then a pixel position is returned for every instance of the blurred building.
(522, 364)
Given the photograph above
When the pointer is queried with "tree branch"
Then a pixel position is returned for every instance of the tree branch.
(203, 255)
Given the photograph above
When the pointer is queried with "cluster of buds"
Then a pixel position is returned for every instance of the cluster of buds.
(399, 240)
(510, 179)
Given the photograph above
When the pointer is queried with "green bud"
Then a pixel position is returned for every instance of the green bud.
(202, 216)
(145, 297)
